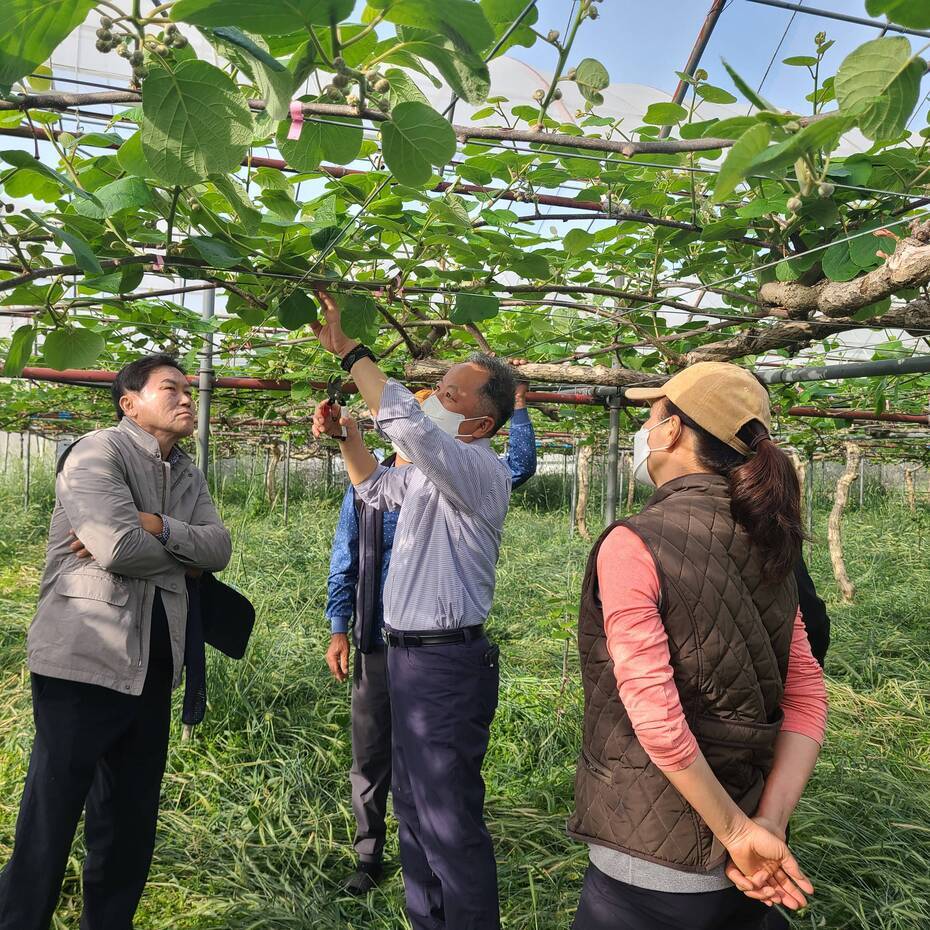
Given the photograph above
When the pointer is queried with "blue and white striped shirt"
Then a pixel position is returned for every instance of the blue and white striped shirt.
(448, 535)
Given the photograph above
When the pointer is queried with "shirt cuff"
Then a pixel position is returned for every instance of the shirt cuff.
(521, 417)
(165, 533)
(339, 624)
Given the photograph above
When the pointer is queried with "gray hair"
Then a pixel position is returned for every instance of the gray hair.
(498, 391)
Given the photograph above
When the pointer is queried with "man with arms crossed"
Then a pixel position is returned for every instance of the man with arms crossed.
(106, 647)
(442, 671)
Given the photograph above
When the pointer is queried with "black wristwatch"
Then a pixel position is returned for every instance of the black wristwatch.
(359, 352)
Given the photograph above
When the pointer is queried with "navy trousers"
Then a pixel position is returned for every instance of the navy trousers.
(443, 700)
(608, 904)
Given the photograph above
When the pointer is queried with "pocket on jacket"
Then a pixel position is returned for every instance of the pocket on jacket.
(97, 586)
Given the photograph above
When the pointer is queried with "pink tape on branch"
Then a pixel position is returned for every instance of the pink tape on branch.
(297, 120)
(159, 263)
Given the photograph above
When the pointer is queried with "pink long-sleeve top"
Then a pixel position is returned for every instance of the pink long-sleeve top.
(638, 644)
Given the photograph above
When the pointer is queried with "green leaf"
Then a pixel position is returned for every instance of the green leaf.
(264, 18)
(452, 210)
(836, 263)
(322, 138)
(800, 61)
(731, 128)
(473, 308)
(19, 352)
(821, 134)
(359, 316)
(196, 122)
(531, 265)
(760, 103)
(215, 251)
(502, 14)
(131, 158)
(297, 309)
(714, 94)
(591, 77)
(880, 83)
(250, 54)
(576, 241)
(234, 193)
(414, 139)
(736, 166)
(914, 14)
(259, 51)
(83, 254)
(70, 347)
(128, 193)
(863, 249)
(30, 30)
(665, 114)
(279, 202)
(403, 89)
(462, 21)
(464, 71)
(26, 183)
(20, 159)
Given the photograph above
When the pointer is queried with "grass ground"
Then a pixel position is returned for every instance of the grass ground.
(256, 823)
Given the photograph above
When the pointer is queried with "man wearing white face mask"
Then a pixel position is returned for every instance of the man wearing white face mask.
(358, 572)
(443, 674)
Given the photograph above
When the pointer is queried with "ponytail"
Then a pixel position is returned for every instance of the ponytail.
(765, 496)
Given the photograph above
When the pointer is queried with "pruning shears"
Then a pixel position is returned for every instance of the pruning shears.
(336, 397)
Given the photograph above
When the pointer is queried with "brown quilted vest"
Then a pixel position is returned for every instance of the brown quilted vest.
(729, 633)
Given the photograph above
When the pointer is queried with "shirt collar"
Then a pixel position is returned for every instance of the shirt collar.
(148, 442)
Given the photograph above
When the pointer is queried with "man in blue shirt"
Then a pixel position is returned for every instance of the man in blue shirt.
(358, 569)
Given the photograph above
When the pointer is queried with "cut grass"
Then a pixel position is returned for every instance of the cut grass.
(256, 825)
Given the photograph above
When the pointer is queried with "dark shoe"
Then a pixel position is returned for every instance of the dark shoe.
(365, 878)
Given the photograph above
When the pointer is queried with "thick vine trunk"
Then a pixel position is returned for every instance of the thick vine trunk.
(800, 466)
(271, 474)
(585, 457)
(834, 526)
(910, 493)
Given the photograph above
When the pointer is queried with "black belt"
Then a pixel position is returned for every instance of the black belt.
(438, 638)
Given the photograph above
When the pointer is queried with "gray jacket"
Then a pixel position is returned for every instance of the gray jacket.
(94, 616)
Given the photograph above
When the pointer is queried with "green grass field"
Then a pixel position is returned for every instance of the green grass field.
(256, 824)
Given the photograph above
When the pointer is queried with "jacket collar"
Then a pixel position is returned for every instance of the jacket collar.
(713, 484)
(147, 442)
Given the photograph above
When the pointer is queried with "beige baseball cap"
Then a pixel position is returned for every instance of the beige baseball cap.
(721, 397)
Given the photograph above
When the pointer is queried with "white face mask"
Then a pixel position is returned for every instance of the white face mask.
(447, 420)
(641, 452)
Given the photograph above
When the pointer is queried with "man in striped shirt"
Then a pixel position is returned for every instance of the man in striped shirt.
(442, 670)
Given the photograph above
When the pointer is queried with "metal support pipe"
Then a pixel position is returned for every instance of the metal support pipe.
(621, 471)
(918, 364)
(700, 43)
(27, 475)
(613, 444)
(205, 386)
(861, 481)
(843, 17)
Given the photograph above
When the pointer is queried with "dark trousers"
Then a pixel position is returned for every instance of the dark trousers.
(608, 904)
(443, 699)
(371, 752)
(96, 746)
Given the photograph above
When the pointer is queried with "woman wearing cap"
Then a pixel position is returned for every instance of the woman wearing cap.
(704, 708)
